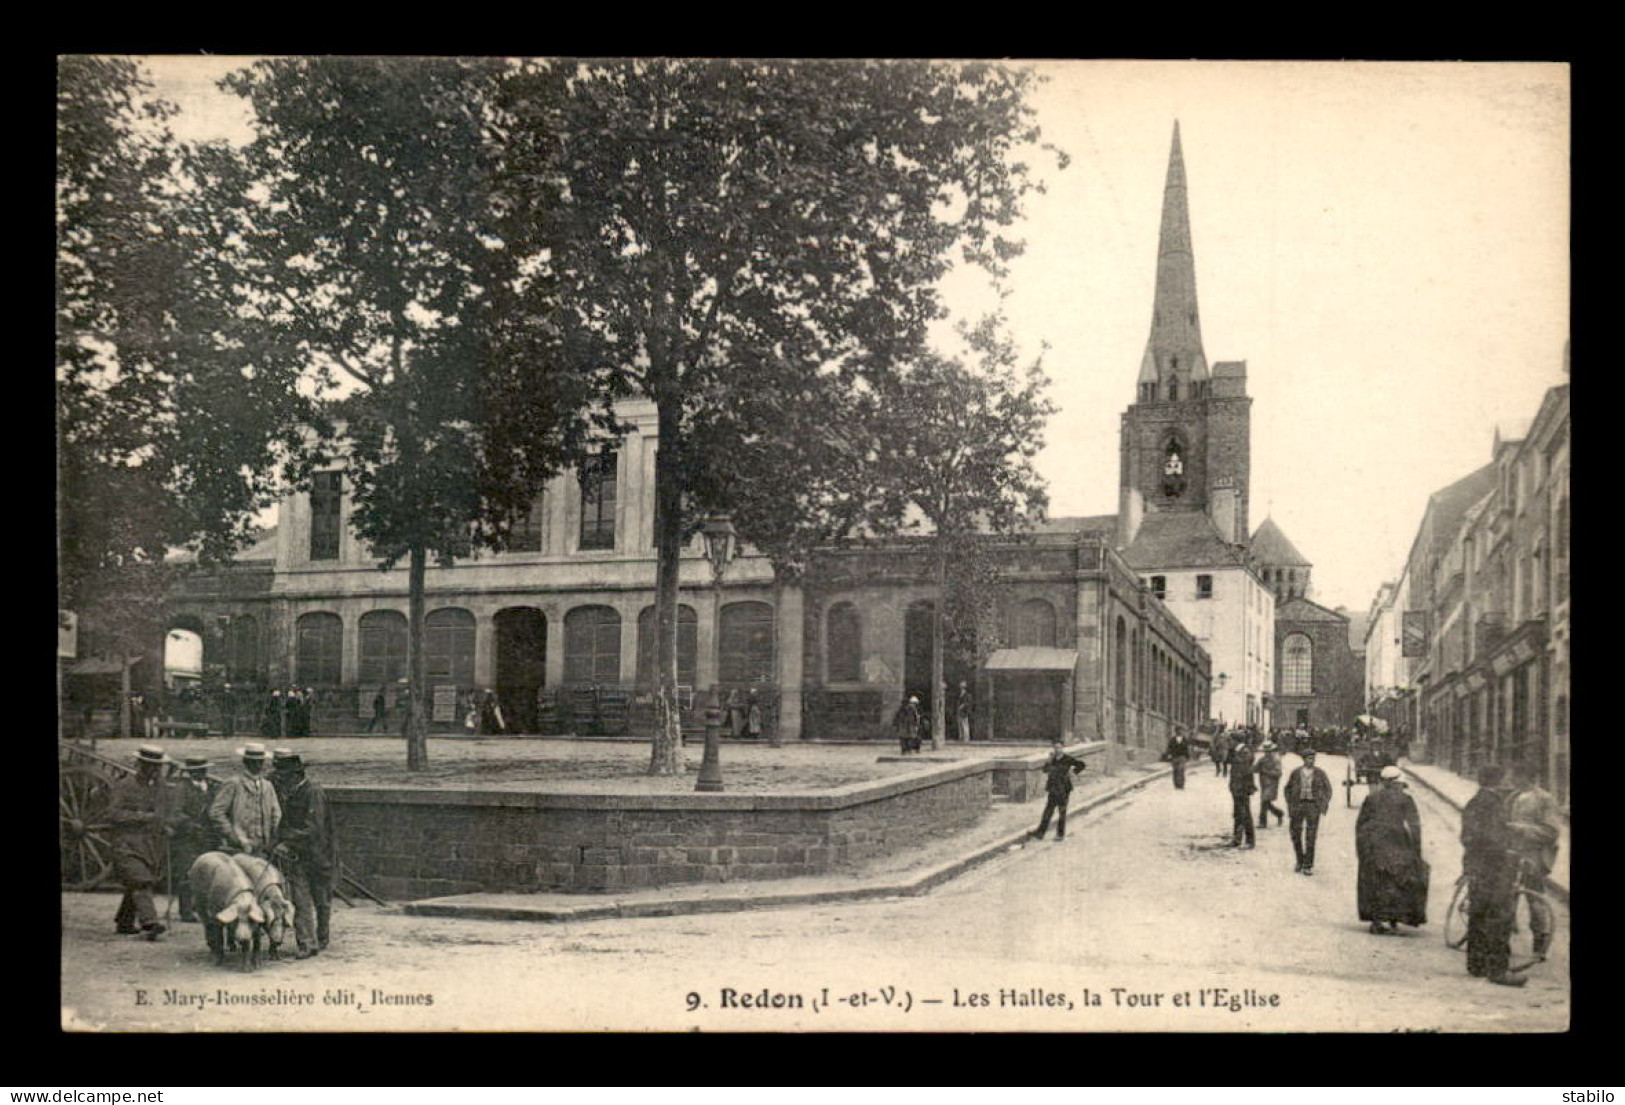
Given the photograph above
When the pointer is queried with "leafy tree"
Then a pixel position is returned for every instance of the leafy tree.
(165, 435)
(714, 226)
(962, 439)
(372, 249)
(810, 461)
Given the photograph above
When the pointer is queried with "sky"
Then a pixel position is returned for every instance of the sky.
(1385, 244)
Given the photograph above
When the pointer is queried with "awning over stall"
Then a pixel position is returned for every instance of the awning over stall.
(1032, 658)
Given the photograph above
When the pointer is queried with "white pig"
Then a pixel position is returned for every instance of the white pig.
(271, 899)
(223, 895)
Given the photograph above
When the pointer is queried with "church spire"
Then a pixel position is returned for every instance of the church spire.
(1173, 354)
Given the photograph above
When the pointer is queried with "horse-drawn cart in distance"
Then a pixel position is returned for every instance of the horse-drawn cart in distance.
(1369, 752)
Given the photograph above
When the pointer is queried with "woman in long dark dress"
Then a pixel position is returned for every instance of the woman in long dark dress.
(1393, 882)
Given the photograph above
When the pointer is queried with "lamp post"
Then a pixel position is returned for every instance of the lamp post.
(1218, 685)
(720, 541)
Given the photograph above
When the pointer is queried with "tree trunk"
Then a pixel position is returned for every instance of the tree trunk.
(124, 696)
(665, 757)
(938, 613)
(417, 710)
(774, 738)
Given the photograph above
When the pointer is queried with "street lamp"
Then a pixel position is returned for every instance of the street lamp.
(1218, 683)
(720, 544)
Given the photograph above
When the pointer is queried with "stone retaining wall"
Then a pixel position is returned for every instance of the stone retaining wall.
(410, 843)
(1021, 778)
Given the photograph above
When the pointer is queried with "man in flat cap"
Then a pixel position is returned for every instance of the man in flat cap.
(194, 834)
(1058, 771)
(245, 812)
(1308, 797)
(305, 851)
(142, 813)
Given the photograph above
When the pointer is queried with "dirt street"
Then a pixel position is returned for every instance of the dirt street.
(1140, 920)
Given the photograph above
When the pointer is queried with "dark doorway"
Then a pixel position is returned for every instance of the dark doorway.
(1303, 718)
(917, 653)
(521, 665)
(1029, 706)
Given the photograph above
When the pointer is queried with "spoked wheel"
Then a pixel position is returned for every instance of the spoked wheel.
(1532, 910)
(1455, 919)
(87, 848)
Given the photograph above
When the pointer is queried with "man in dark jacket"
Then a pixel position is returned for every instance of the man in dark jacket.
(1492, 877)
(1268, 770)
(1242, 787)
(1308, 797)
(142, 813)
(1058, 771)
(306, 852)
(1220, 751)
(1393, 877)
(1178, 753)
(194, 835)
(907, 724)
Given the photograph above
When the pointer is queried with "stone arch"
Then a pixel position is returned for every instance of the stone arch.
(688, 646)
(745, 651)
(318, 649)
(448, 646)
(592, 645)
(843, 644)
(1297, 664)
(383, 646)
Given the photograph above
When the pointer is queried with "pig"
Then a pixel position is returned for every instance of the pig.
(271, 898)
(223, 896)
(240, 899)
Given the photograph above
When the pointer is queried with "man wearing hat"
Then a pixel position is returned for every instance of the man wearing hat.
(1308, 797)
(1268, 771)
(907, 724)
(1178, 753)
(1242, 787)
(245, 812)
(1393, 878)
(1533, 834)
(1220, 751)
(305, 851)
(1058, 771)
(194, 835)
(1492, 878)
(142, 813)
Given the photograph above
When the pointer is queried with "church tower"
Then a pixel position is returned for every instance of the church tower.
(1185, 437)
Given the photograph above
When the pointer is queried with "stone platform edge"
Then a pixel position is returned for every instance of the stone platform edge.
(833, 798)
(768, 898)
(1558, 890)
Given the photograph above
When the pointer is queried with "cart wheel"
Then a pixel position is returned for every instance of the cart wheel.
(87, 850)
(1455, 919)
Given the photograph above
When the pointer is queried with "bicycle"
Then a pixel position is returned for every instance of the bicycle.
(1529, 903)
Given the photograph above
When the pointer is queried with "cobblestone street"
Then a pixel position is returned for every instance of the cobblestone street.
(1141, 899)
